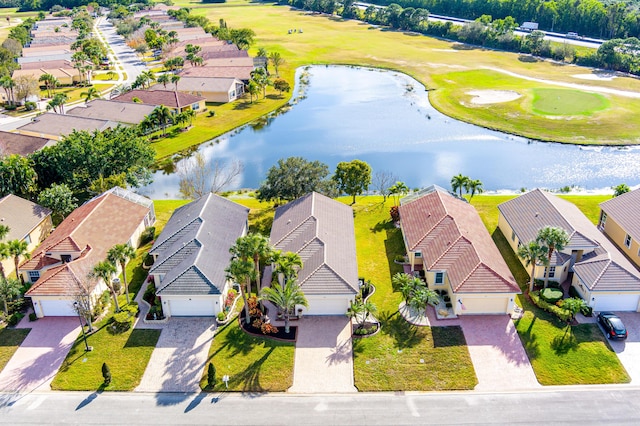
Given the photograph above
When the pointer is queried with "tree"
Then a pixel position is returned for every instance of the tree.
(253, 88)
(164, 79)
(121, 254)
(360, 311)
(197, 178)
(474, 186)
(532, 253)
(18, 249)
(573, 305)
(57, 103)
(252, 246)
(353, 177)
(17, 176)
(104, 270)
(9, 288)
(292, 178)
(241, 271)
(286, 297)
(623, 188)
(211, 376)
(4, 254)
(286, 266)
(90, 95)
(8, 85)
(243, 38)
(175, 79)
(162, 116)
(404, 283)
(422, 296)
(25, 86)
(4, 231)
(276, 60)
(382, 182)
(59, 198)
(281, 85)
(106, 373)
(553, 238)
(50, 82)
(398, 190)
(459, 182)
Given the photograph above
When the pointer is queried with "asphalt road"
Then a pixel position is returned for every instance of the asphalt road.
(615, 405)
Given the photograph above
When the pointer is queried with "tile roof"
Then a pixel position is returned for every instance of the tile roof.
(241, 73)
(203, 84)
(193, 249)
(452, 237)
(60, 63)
(625, 211)
(15, 143)
(61, 124)
(94, 228)
(123, 112)
(21, 216)
(168, 98)
(322, 232)
(602, 268)
(38, 72)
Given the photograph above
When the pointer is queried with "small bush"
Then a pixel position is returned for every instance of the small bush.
(15, 318)
(552, 284)
(106, 373)
(147, 235)
(561, 313)
(33, 317)
(448, 304)
(573, 292)
(211, 113)
(399, 258)
(10, 107)
(587, 311)
(395, 214)
(551, 295)
(122, 321)
(150, 293)
(211, 375)
(30, 106)
(221, 316)
(268, 328)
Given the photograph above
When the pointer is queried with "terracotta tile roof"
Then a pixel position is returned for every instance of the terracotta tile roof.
(241, 73)
(60, 63)
(322, 232)
(452, 238)
(625, 211)
(21, 216)
(168, 98)
(15, 143)
(203, 84)
(39, 72)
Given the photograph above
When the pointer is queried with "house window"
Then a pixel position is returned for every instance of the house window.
(27, 239)
(627, 241)
(439, 277)
(418, 254)
(195, 107)
(513, 235)
(603, 219)
(551, 272)
(66, 258)
(33, 276)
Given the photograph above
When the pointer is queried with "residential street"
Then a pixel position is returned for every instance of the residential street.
(586, 405)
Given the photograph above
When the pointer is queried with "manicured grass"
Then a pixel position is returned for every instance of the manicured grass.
(10, 339)
(567, 102)
(254, 364)
(588, 204)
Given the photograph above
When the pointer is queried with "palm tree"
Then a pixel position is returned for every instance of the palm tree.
(9, 288)
(50, 82)
(620, 189)
(360, 311)
(276, 60)
(404, 283)
(423, 296)
(400, 188)
(4, 230)
(164, 79)
(17, 249)
(253, 89)
(287, 264)
(459, 182)
(57, 103)
(252, 246)
(532, 253)
(241, 271)
(190, 115)
(8, 85)
(105, 270)
(175, 79)
(286, 298)
(121, 254)
(261, 78)
(4, 254)
(147, 77)
(553, 238)
(90, 94)
(474, 186)
(162, 116)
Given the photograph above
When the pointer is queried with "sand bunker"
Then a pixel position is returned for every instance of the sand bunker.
(596, 77)
(484, 97)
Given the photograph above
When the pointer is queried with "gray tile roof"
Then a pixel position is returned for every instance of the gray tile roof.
(625, 211)
(193, 248)
(322, 232)
(123, 112)
(21, 216)
(62, 124)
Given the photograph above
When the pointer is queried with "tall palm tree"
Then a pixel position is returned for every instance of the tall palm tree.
(400, 188)
(164, 79)
(532, 253)
(553, 238)
(17, 249)
(9, 288)
(360, 311)
(121, 254)
(90, 94)
(423, 296)
(50, 82)
(4, 254)
(4, 230)
(459, 182)
(404, 283)
(57, 103)
(175, 79)
(276, 60)
(474, 186)
(286, 298)
(252, 246)
(8, 85)
(162, 116)
(147, 77)
(287, 264)
(105, 270)
(241, 271)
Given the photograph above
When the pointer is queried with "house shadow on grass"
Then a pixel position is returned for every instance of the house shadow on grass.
(143, 338)
(448, 336)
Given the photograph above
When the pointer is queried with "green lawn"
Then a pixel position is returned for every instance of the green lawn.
(567, 102)
(10, 339)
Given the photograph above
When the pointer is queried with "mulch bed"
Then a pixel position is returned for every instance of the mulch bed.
(280, 335)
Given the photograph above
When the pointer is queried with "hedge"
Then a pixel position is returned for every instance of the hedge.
(561, 313)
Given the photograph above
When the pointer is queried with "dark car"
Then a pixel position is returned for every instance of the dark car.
(613, 326)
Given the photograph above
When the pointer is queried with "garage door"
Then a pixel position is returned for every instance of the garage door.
(616, 302)
(319, 305)
(57, 308)
(194, 307)
(488, 305)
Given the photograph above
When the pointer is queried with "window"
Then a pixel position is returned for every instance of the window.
(33, 276)
(627, 241)
(418, 254)
(513, 235)
(552, 272)
(27, 239)
(439, 277)
(66, 258)
(603, 219)
(195, 107)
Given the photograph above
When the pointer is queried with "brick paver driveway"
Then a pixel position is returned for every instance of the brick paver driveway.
(498, 356)
(37, 360)
(628, 350)
(178, 361)
(324, 355)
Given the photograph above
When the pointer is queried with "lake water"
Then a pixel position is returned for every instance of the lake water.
(385, 119)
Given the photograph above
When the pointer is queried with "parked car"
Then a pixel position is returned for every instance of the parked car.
(573, 35)
(613, 326)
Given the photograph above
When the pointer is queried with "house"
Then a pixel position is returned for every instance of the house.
(129, 113)
(192, 253)
(48, 65)
(27, 222)
(322, 232)
(55, 56)
(220, 90)
(600, 273)
(65, 76)
(445, 237)
(59, 268)
(15, 143)
(54, 126)
(620, 221)
(176, 101)
(242, 73)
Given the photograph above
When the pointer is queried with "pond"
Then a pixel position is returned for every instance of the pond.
(384, 118)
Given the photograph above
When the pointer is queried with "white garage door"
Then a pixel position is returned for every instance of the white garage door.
(488, 305)
(319, 305)
(57, 308)
(192, 307)
(616, 302)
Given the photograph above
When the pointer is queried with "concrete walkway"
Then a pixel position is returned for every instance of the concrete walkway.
(36, 362)
(324, 355)
(179, 359)
(498, 356)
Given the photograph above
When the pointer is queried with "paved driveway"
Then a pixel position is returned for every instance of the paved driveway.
(37, 360)
(324, 355)
(498, 356)
(628, 350)
(178, 361)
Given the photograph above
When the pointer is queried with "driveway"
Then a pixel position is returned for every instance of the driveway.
(324, 355)
(498, 356)
(37, 360)
(178, 361)
(628, 350)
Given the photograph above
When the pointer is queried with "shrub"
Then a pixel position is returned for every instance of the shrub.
(33, 317)
(221, 316)
(30, 106)
(147, 235)
(399, 258)
(150, 293)
(132, 308)
(10, 107)
(587, 311)
(211, 113)
(106, 373)
(122, 321)
(268, 328)
(211, 375)
(551, 295)
(561, 313)
(448, 304)
(15, 318)
(573, 292)
(553, 284)
(395, 214)
(257, 323)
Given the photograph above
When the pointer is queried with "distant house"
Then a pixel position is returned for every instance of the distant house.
(445, 237)
(191, 254)
(59, 268)
(322, 232)
(65, 76)
(15, 143)
(176, 101)
(242, 73)
(600, 273)
(54, 126)
(620, 221)
(219, 90)
(128, 113)
(27, 222)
